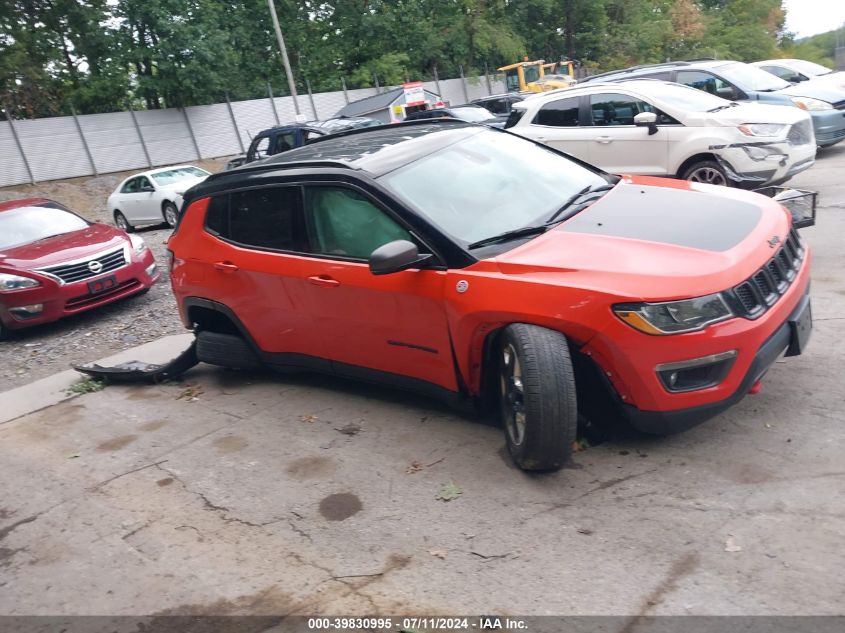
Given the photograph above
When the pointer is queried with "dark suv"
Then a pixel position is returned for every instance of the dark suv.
(736, 81)
(281, 138)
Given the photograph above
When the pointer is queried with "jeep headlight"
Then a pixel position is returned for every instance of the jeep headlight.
(763, 129)
(674, 317)
(138, 244)
(813, 105)
(16, 282)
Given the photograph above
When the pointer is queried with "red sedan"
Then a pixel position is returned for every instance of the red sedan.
(54, 263)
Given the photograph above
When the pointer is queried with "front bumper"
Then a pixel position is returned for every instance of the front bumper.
(628, 359)
(667, 422)
(784, 162)
(829, 126)
(61, 300)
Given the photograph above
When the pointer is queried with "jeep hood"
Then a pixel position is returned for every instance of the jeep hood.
(654, 238)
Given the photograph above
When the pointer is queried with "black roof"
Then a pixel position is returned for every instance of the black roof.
(374, 150)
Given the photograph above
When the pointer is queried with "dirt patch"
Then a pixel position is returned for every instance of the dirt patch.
(341, 506)
(310, 467)
(230, 444)
(165, 482)
(155, 425)
(116, 443)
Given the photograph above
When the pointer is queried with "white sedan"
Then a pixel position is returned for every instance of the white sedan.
(154, 196)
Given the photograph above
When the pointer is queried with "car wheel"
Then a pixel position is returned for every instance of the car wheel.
(4, 332)
(537, 396)
(708, 172)
(171, 214)
(122, 223)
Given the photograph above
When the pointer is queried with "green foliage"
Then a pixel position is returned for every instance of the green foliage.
(85, 385)
(97, 55)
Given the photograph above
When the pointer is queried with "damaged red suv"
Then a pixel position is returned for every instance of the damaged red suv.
(470, 263)
(54, 263)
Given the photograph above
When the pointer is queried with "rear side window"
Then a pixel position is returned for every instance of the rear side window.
(560, 113)
(616, 109)
(259, 218)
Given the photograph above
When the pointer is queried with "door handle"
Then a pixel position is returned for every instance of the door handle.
(226, 267)
(540, 138)
(604, 139)
(324, 280)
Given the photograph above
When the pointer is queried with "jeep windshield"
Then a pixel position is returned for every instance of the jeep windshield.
(491, 183)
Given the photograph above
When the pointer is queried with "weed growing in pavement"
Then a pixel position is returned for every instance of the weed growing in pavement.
(86, 385)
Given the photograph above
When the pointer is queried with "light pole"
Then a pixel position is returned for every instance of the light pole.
(284, 51)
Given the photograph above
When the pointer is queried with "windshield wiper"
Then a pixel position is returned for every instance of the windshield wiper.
(724, 107)
(526, 231)
(586, 191)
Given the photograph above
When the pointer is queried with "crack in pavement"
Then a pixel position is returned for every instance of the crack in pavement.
(209, 505)
(4, 532)
(610, 483)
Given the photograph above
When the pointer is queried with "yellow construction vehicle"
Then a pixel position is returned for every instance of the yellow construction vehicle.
(537, 76)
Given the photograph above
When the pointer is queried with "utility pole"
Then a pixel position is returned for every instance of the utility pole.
(284, 52)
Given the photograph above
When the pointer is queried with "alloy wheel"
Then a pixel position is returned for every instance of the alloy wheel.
(708, 175)
(513, 395)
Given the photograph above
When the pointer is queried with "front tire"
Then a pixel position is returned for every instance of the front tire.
(122, 223)
(170, 213)
(707, 172)
(537, 401)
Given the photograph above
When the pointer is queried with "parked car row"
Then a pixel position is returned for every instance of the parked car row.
(707, 120)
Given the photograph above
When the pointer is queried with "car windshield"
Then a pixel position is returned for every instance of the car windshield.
(175, 175)
(30, 224)
(472, 114)
(809, 68)
(490, 183)
(752, 78)
(683, 97)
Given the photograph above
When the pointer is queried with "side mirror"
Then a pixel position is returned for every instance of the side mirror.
(395, 256)
(727, 92)
(647, 119)
(147, 189)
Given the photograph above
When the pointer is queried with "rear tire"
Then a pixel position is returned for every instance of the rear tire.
(122, 223)
(707, 172)
(170, 213)
(537, 400)
(226, 350)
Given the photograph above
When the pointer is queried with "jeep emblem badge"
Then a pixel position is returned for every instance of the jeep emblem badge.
(462, 286)
(95, 266)
(774, 241)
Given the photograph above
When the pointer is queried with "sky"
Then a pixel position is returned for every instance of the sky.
(809, 17)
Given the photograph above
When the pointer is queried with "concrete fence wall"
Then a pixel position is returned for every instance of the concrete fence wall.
(85, 145)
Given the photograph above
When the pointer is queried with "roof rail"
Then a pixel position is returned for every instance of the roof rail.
(375, 128)
(635, 68)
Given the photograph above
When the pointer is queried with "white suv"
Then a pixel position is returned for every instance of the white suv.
(658, 128)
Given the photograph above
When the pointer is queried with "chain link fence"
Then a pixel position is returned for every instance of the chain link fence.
(91, 144)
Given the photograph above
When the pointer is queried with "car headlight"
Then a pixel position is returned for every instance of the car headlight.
(16, 282)
(808, 103)
(138, 244)
(763, 129)
(674, 317)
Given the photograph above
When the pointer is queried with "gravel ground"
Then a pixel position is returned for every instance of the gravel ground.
(44, 350)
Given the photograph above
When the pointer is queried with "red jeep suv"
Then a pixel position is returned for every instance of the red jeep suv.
(465, 261)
